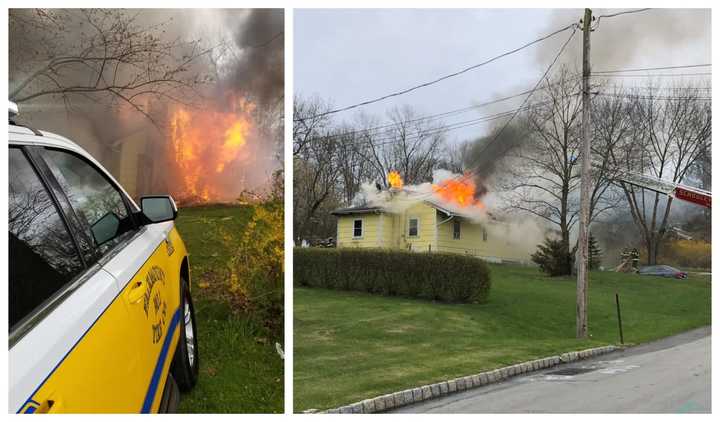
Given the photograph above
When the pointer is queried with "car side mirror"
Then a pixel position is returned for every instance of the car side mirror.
(158, 208)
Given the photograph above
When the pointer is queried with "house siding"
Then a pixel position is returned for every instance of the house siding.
(369, 239)
(425, 240)
(495, 248)
(387, 230)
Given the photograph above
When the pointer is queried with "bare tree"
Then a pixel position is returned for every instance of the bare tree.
(309, 121)
(611, 128)
(99, 55)
(410, 145)
(670, 132)
(544, 179)
(353, 169)
(454, 157)
(332, 161)
(315, 188)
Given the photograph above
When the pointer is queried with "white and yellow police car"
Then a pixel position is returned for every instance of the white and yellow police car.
(101, 318)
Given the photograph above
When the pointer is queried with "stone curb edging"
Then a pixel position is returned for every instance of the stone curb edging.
(457, 385)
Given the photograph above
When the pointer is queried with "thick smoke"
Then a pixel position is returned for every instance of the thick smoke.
(260, 66)
(486, 154)
(646, 39)
(643, 39)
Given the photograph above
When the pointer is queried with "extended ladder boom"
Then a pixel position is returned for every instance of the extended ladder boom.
(686, 193)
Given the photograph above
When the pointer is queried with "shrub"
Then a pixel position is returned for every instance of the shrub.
(554, 259)
(594, 253)
(254, 281)
(686, 253)
(434, 276)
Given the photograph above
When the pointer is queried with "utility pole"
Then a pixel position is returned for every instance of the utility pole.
(582, 256)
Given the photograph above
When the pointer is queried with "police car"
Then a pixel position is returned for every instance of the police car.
(101, 318)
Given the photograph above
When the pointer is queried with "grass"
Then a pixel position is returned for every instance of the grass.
(240, 370)
(351, 346)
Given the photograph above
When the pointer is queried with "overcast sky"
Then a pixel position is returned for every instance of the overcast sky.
(347, 56)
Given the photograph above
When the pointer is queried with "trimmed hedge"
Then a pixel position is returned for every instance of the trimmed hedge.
(437, 276)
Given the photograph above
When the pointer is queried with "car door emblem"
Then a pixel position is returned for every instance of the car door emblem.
(169, 246)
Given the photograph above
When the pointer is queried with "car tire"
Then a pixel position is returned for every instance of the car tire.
(186, 360)
(170, 397)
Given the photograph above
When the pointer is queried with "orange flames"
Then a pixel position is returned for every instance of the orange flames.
(203, 144)
(460, 192)
(395, 180)
(457, 191)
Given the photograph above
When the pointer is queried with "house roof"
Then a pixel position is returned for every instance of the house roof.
(362, 209)
(367, 209)
(447, 211)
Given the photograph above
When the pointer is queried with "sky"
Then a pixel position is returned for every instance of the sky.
(347, 56)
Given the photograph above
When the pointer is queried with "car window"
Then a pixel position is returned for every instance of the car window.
(96, 201)
(43, 256)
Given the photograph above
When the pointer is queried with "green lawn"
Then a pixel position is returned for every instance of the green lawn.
(350, 346)
(240, 370)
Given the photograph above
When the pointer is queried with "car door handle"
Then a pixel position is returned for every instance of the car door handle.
(45, 407)
(137, 291)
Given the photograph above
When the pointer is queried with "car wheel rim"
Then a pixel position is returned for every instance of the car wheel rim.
(189, 335)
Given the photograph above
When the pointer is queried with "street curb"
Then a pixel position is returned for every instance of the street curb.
(458, 385)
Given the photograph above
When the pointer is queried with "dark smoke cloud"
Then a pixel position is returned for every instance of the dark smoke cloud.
(487, 153)
(259, 68)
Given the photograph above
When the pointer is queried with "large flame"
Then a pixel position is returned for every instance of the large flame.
(458, 191)
(203, 143)
(395, 180)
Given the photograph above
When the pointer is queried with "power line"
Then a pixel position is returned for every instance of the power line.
(423, 85)
(652, 97)
(626, 12)
(453, 126)
(497, 135)
(598, 72)
(487, 103)
(434, 116)
(651, 75)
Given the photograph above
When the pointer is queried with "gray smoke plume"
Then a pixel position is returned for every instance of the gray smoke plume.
(651, 38)
(645, 39)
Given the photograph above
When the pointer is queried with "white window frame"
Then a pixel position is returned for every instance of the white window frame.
(362, 228)
(417, 227)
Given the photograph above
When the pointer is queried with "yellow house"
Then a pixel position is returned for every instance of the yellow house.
(428, 226)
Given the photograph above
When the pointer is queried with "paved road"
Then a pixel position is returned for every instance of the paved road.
(668, 376)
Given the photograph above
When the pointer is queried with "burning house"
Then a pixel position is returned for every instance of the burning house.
(442, 217)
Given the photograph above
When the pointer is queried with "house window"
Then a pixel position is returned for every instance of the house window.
(413, 224)
(484, 235)
(456, 229)
(357, 228)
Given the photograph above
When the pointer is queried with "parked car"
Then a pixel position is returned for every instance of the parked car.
(662, 271)
(101, 318)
